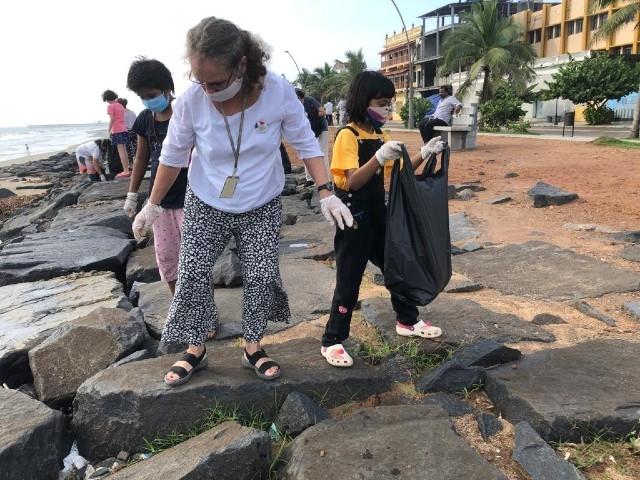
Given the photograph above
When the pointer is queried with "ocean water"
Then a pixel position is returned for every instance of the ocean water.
(45, 139)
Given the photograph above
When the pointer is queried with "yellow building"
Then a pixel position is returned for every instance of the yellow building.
(394, 63)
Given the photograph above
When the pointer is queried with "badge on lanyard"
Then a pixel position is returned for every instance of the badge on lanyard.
(230, 184)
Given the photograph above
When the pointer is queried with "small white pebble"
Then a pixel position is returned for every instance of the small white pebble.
(612, 459)
(567, 455)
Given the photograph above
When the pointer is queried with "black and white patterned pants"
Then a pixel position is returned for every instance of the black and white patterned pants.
(205, 233)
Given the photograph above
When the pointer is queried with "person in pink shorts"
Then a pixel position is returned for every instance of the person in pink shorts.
(152, 82)
(118, 130)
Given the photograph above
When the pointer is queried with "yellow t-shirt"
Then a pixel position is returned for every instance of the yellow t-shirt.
(345, 153)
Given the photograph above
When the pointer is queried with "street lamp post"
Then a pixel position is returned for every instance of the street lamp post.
(410, 123)
(295, 63)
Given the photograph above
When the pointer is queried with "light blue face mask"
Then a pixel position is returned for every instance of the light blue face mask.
(157, 104)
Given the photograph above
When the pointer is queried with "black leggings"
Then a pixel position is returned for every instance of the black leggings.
(426, 127)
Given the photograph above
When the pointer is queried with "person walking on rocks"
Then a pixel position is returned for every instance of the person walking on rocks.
(235, 113)
(118, 130)
(361, 152)
(129, 118)
(151, 80)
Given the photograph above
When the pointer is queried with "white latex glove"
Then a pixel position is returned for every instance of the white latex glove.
(391, 150)
(336, 212)
(435, 145)
(145, 219)
(103, 178)
(131, 204)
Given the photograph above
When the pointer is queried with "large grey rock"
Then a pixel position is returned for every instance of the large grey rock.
(119, 407)
(592, 312)
(41, 256)
(297, 413)
(631, 253)
(226, 452)
(630, 236)
(98, 214)
(450, 403)
(538, 459)
(487, 353)
(461, 284)
(633, 309)
(547, 319)
(309, 286)
(542, 195)
(413, 442)
(227, 271)
(461, 228)
(30, 312)
(451, 377)
(81, 348)
(488, 424)
(6, 193)
(32, 443)
(311, 240)
(574, 392)
(142, 266)
(115, 190)
(34, 186)
(462, 321)
(293, 206)
(541, 270)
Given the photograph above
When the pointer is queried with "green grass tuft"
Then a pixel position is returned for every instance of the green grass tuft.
(628, 144)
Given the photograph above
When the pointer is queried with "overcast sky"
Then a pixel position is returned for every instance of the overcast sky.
(58, 56)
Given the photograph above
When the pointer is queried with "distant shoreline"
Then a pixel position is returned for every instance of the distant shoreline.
(36, 156)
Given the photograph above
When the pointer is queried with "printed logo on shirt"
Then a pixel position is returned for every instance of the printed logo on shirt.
(261, 126)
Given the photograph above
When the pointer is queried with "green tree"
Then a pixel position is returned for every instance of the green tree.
(624, 15)
(420, 108)
(593, 81)
(503, 109)
(490, 46)
(323, 76)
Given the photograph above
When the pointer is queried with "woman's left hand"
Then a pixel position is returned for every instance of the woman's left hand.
(336, 212)
(435, 145)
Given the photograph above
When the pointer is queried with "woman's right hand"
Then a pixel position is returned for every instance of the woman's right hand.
(131, 204)
(336, 212)
(145, 219)
(391, 150)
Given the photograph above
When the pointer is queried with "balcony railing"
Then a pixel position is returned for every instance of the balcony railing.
(395, 61)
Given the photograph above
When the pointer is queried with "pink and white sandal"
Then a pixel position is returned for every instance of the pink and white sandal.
(421, 329)
(337, 356)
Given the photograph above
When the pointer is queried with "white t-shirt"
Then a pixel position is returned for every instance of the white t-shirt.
(342, 106)
(445, 108)
(328, 108)
(276, 113)
(129, 118)
(89, 149)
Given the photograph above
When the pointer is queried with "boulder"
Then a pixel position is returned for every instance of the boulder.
(116, 190)
(142, 267)
(547, 319)
(412, 442)
(6, 193)
(297, 413)
(462, 321)
(488, 424)
(538, 459)
(633, 309)
(226, 452)
(499, 200)
(34, 186)
(629, 237)
(118, 408)
(30, 312)
(98, 214)
(450, 403)
(487, 353)
(42, 256)
(572, 393)
(33, 443)
(461, 284)
(465, 194)
(227, 271)
(451, 377)
(544, 271)
(631, 253)
(471, 246)
(81, 348)
(461, 228)
(542, 195)
(592, 312)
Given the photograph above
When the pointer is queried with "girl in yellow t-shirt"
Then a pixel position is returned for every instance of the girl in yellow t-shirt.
(360, 153)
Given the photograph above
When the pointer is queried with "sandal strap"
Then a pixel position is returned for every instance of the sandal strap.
(180, 371)
(267, 365)
(191, 359)
(253, 359)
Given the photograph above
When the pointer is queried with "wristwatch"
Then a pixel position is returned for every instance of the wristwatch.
(327, 186)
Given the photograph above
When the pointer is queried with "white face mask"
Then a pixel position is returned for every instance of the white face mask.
(228, 93)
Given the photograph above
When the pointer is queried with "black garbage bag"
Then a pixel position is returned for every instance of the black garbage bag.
(417, 250)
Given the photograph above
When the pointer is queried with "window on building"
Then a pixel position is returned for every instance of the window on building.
(535, 36)
(553, 31)
(625, 50)
(574, 27)
(596, 21)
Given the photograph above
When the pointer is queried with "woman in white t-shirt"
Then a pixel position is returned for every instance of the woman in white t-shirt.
(235, 115)
(89, 156)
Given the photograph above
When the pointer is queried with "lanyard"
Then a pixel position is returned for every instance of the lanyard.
(235, 148)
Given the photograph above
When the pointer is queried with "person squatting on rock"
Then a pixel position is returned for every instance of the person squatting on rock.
(118, 130)
(89, 157)
(235, 113)
(361, 155)
(151, 80)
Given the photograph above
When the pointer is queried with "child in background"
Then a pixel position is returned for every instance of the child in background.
(360, 153)
(118, 130)
(151, 80)
(89, 156)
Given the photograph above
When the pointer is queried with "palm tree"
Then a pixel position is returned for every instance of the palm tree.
(490, 45)
(305, 79)
(323, 76)
(621, 17)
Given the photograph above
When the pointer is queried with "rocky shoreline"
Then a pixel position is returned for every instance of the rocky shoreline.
(82, 309)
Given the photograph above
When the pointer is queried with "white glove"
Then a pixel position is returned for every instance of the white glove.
(103, 178)
(435, 145)
(391, 150)
(131, 204)
(336, 212)
(145, 219)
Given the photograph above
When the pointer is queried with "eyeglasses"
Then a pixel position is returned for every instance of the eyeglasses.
(215, 86)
